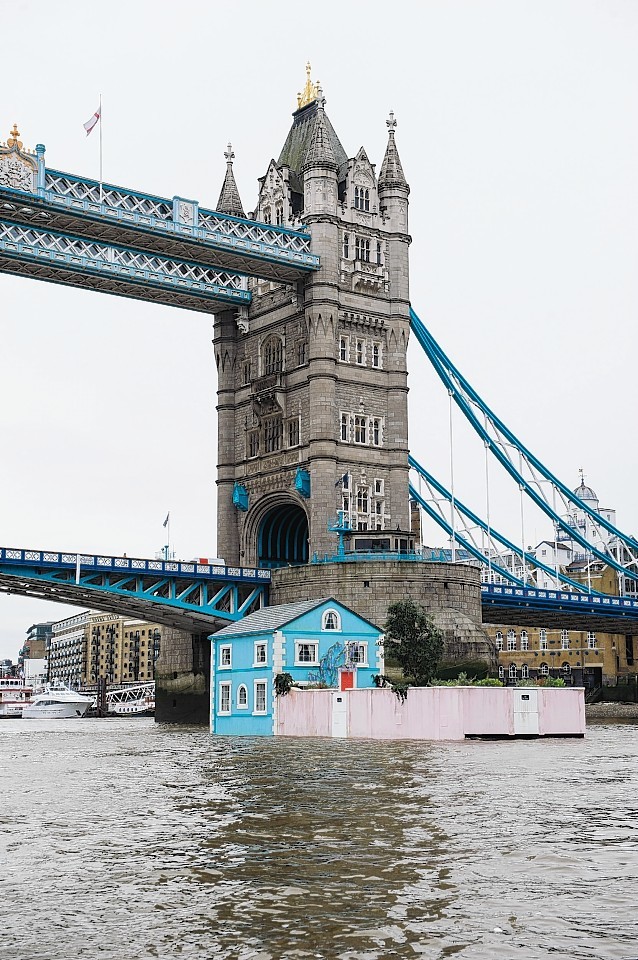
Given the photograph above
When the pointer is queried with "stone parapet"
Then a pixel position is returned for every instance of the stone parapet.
(450, 593)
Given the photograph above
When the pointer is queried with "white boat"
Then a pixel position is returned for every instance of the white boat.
(14, 694)
(56, 702)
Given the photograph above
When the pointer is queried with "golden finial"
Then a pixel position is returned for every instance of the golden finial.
(310, 91)
(13, 138)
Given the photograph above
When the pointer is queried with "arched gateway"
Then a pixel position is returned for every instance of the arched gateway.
(282, 538)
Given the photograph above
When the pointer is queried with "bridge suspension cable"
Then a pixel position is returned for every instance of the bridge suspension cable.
(531, 475)
(466, 533)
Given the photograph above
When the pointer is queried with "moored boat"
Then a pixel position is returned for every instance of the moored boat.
(14, 693)
(56, 702)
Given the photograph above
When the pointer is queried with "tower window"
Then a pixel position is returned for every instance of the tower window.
(293, 432)
(279, 215)
(376, 355)
(360, 352)
(376, 432)
(360, 425)
(362, 500)
(346, 246)
(343, 349)
(273, 433)
(378, 254)
(345, 424)
(267, 215)
(272, 356)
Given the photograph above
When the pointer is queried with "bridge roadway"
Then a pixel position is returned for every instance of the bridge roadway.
(190, 596)
(196, 596)
(177, 228)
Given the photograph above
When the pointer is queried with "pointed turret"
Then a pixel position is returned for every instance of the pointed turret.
(229, 199)
(391, 174)
(320, 152)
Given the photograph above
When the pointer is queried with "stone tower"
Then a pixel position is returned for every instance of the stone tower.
(312, 381)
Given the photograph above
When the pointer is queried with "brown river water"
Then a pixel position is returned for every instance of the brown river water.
(125, 839)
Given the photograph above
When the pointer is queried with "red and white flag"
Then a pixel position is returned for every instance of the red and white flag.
(88, 126)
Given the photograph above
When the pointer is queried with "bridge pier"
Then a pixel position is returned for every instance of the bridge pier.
(450, 594)
(182, 676)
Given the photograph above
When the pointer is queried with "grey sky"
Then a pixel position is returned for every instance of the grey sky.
(517, 133)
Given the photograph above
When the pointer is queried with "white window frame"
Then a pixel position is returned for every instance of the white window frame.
(256, 684)
(375, 354)
(511, 640)
(344, 427)
(306, 663)
(256, 662)
(499, 640)
(324, 620)
(361, 430)
(501, 672)
(240, 705)
(344, 349)
(512, 672)
(591, 641)
(525, 672)
(222, 648)
(225, 685)
(544, 670)
(360, 353)
(363, 644)
(542, 639)
(524, 640)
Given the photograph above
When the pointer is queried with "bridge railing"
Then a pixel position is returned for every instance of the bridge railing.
(132, 265)
(183, 217)
(597, 601)
(96, 562)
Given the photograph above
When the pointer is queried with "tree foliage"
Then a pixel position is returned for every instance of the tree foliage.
(413, 640)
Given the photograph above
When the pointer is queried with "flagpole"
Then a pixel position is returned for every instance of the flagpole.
(168, 538)
(101, 122)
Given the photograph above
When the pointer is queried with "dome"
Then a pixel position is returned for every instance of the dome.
(583, 492)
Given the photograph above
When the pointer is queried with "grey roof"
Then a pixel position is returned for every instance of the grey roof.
(391, 169)
(271, 618)
(229, 199)
(299, 137)
(320, 150)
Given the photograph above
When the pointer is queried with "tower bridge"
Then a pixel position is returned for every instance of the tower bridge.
(311, 301)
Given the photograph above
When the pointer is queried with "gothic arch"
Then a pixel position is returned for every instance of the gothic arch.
(276, 533)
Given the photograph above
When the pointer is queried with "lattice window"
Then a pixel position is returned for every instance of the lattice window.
(293, 432)
(272, 356)
(273, 434)
(360, 429)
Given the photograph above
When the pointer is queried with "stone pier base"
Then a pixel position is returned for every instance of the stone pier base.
(182, 673)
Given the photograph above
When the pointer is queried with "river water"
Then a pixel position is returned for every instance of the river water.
(125, 839)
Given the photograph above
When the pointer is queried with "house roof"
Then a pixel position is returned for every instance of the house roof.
(272, 618)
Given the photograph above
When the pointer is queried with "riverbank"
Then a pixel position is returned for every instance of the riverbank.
(611, 711)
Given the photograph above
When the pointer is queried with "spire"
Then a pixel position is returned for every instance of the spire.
(391, 169)
(229, 199)
(320, 151)
(310, 92)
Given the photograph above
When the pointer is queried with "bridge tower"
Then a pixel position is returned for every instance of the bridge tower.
(312, 378)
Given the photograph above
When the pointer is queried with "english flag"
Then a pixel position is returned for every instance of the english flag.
(88, 126)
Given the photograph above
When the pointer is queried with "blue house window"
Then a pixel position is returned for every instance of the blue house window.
(358, 653)
(260, 656)
(306, 653)
(242, 697)
(260, 696)
(224, 698)
(225, 657)
(331, 620)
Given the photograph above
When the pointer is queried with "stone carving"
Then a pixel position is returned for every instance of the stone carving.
(16, 173)
(186, 212)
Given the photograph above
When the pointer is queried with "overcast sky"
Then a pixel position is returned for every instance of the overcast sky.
(517, 133)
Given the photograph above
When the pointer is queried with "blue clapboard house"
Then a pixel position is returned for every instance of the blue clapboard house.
(317, 642)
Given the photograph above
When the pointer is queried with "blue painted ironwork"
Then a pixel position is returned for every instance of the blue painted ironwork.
(302, 482)
(464, 512)
(180, 593)
(534, 601)
(240, 496)
(501, 440)
(176, 227)
(72, 260)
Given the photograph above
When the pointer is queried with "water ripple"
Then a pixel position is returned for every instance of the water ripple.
(124, 839)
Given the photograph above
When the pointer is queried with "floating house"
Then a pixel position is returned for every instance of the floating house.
(319, 643)
(331, 655)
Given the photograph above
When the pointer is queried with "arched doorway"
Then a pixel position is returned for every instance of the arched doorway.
(282, 538)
